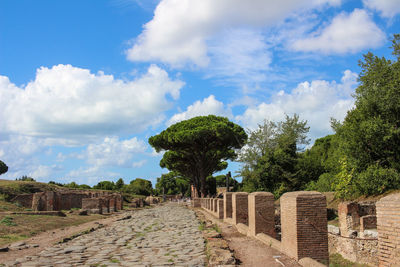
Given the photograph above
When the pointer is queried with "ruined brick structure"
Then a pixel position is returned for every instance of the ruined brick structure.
(69, 199)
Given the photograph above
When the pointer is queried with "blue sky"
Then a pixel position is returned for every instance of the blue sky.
(84, 84)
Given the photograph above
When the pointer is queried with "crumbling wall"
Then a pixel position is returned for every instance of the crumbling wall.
(25, 200)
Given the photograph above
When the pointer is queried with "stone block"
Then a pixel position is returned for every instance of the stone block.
(304, 225)
(261, 213)
(240, 208)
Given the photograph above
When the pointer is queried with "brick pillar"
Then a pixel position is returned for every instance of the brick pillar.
(388, 224)
(227, 205)
(261, 213)
(215, 205)
(240, 208)
(196, 203)
(304, 225)
(220, 208)
(349, 219)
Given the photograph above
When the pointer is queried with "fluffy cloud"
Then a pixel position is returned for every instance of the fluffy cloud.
(65, 104)
(388, 8)
(208, 106)
(180, 29)
(113, 152)
(315, 102)
(347, 33)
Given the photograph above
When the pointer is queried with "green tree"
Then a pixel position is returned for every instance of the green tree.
(3, 167)
(198, 147)
(119, 184)
(370, 133)
(172, 183)
(140, 186)
(271, 155)
(105, 185)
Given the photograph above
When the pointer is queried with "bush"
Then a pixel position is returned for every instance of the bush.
(323, 184)
(376, 180)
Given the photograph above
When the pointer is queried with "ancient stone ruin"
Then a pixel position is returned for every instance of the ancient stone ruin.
(99, 202)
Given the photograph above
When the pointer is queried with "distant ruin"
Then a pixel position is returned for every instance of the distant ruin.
(98, 202)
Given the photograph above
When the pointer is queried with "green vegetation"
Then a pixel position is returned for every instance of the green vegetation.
(198, 147)
(8, 221)
(3, 167)
(271, 160)
(173, 183)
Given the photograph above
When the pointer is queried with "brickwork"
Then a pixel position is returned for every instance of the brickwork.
(367, 222)
(215, 205)
(349, 218)
(388, 224)
(92, 205)
(304, 225)
(240, 208)
(261, 213)
(112, 204)
(220, 209)
(227, 205)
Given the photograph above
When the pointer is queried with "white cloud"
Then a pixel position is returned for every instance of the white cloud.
(388, 8)
(208, 106)
(238, 56)
(347, 33)
(180, 29)
(66, 104)
(113, 152)
(315, 102)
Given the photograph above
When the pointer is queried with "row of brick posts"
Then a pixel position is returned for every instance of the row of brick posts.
(304, 232)
(303, 220)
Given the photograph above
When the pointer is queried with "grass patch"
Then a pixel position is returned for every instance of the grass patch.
(8, 221)
(202, 226)
(30, 225)
(114, 260)
(336, 260)
(216, 228)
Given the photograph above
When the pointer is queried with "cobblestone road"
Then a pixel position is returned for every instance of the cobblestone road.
(166, 235)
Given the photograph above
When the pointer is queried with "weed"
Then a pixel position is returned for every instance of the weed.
(170, 260)
(216, 228)
(202, 226)
(114, 260)
(8, 221)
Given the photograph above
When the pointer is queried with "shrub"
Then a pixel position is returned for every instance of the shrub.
(376, 180)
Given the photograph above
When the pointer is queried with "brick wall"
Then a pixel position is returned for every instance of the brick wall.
(388, 225)
(304, 225)
(25, 200)
(220, 209)
(92, 205)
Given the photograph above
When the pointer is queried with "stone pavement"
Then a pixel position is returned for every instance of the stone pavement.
(166, 235)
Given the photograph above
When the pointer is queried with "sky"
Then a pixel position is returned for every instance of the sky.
(84, 84)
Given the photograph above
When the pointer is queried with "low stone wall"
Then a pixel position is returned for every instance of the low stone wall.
(362, 251)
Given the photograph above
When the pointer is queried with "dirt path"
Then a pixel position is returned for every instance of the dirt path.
(249, 251)
(49, 238)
